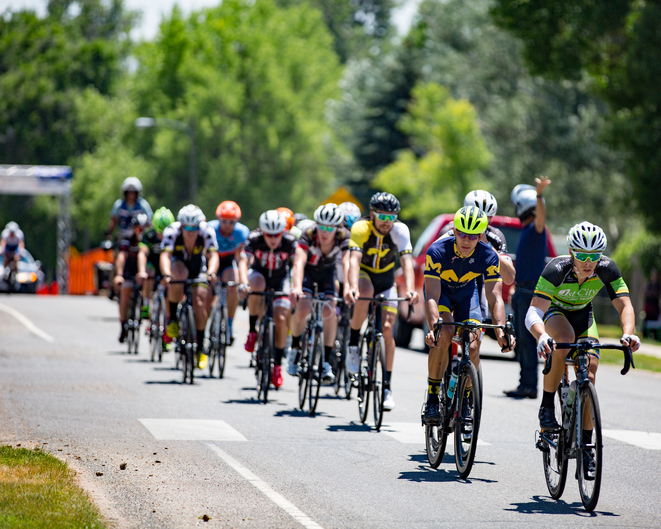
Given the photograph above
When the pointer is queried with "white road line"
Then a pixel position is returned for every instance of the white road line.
(265, 489)
(27, 323)
(191, 430)
(647, 440)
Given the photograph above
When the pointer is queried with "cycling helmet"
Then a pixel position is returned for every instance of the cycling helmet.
(140, 221)
(351, 213)
(329, 215)
(471, 220)
(163, 217)
(12, 226)
(289, 216)
(132, 184)
(272, 222)
(190, 215)
(298, 217)
(483, 200)
(586, 237)
(524, 198)
(385, 202)
(228, 210)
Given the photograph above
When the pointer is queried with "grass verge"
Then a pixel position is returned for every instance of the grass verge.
(38, 491)
(650, 363)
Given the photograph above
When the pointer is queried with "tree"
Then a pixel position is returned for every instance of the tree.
(616, 44)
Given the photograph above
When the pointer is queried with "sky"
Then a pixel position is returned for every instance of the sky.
(153, 10)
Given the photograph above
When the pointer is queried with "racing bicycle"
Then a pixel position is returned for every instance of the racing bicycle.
(218, 330)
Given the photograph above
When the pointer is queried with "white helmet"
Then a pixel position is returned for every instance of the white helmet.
(586, 237)
(190, 215)
(524, 198)
(12, 227)
(272, 222)
(132, 183)
(483, 200)
(351, 213)
(329, 215)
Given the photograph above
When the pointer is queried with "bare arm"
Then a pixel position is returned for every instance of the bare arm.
(406, 261)
(494, 292)
(540, 215)
(300, 260)
(538, 328)
(507, 270)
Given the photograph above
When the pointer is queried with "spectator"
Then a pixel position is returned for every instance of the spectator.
(652, 294)
(530, 261)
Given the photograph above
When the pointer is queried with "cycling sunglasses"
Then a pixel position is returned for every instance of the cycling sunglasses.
(225, 221)
(386, 217)
(191, 228)
(273, 235)
(583, 257)
(327, 228)
(470, 237)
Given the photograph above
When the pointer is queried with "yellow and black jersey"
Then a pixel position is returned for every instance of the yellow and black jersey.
(379, 251)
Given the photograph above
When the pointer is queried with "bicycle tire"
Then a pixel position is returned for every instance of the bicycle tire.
(267, 359)
(378, 380)
(554, 460)
(223, 340)
(192, 349)
(341, 377)
(467, 426)
(214, 338)
(363, 382)
(314, 371)
(303, 370)
(589, 488)
(182, 345)
(135, 323)
(152, 329)
(436, 438)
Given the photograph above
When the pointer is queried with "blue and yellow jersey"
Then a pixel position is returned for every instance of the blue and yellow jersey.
(444, 262)
(379, 251)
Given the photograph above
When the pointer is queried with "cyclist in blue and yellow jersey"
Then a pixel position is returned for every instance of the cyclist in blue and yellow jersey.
(186, 246)
(561, 308)
(149, 266)
(230, 235)
(451, 268)
(374, 246)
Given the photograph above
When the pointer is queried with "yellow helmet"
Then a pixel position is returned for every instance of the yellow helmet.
(471, 220)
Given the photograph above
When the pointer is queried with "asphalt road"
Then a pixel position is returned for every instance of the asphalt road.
(211, 449)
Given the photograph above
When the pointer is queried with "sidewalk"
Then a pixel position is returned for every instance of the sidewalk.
(645, 349)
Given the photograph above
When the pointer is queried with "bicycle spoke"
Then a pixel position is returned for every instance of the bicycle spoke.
(468, 420)
(588, 457)
(553, 458)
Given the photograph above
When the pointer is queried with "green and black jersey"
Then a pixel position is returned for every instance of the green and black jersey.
(153, 243)
(559, 284)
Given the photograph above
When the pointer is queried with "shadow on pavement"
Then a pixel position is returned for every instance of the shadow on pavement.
(351, 427)
(547, 505)
(426, 474)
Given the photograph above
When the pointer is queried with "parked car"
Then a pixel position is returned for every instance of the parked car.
(27, 274)
(511, 228)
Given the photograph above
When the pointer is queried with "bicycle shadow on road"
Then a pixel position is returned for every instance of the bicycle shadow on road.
(426, 474)
(547, 505)
(351, 427)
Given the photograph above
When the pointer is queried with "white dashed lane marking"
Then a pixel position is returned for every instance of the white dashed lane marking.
(646, 440)
(27, 323)
(191, 430)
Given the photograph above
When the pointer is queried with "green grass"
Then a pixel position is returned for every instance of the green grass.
(649, 363)
(38, 491)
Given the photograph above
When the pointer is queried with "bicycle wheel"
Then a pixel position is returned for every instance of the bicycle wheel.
(303, 369)
(553, 458)
(134, 321)
(156, 325)
(191, 349)
(436, 438)
(183, 345)
(589, 480)
(264, 362)
(314, 371)
(378, 380)
(223, 340)
(339, 353)
(467, 426)
(363, 382)
(213, 331)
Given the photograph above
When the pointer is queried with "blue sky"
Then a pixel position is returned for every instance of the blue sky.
(153, 10)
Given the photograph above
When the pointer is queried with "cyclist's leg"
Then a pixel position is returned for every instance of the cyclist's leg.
(230, 274)
(437, 361)
(560, 329)
(466, 307)
(175, 294)
(281, 311)
(360, 308)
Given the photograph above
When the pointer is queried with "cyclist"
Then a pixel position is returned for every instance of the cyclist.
(150, 245)
(316, 256)
(230, 235)
(268, 251)
(561, 308)
(289, 216)
(12, 243)
(374, 245)
(184, 250)
(451, 268)
(130, 260)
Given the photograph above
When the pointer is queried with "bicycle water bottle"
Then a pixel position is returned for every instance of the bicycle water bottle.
(570, 401)
(453, 381)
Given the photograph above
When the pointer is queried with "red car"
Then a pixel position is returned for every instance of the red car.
(511, 228)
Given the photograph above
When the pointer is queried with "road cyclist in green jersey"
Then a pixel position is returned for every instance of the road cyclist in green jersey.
(561, 309)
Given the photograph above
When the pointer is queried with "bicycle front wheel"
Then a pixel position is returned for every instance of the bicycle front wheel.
(134, 321)
(467, 426)
(314, 371)
(266, 351)
(303, 369)
(588, 457)
(555, 463)
(223, 340)
(191, 337)
(378, 380)
(363, 382)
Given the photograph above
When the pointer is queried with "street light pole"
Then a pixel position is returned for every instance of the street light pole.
(189, 129)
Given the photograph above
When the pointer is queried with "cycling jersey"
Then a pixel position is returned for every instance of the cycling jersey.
(151, 241)
(379, 251)
(559, 284)
(309, 242)
(272, 264)
(12, 242)
(455, 271)
(173, 242)
(125, 214)
(227, 245)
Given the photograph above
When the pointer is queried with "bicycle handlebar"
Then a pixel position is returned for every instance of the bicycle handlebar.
(508, 328)
(585, 346)
(381, 299)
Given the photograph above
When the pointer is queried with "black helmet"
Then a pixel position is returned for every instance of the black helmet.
(385, 202)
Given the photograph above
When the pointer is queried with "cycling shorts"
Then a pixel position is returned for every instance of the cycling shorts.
(463, 303)
(383, 284)
(582, 321)
(197, 270)
(325, 280)
(278, 284)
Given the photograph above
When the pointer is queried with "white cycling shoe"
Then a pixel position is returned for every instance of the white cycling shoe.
(388, 401)
(353, 360)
